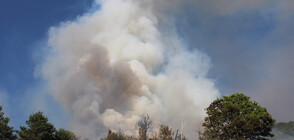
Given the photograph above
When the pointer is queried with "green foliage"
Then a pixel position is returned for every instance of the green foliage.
(117, 136)
(144, 124)
(63, 134)
(286, 128)
(236, 117)
(6, 132)
(38, 128)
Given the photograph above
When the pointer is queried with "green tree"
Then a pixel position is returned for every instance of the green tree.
(38, 128)
(63, 134)
(6, 132)
(236, 117)
(144, 124)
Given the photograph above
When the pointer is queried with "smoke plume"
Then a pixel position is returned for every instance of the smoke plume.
(111, 66)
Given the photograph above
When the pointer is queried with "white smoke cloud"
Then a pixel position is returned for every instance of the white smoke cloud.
(110, 67)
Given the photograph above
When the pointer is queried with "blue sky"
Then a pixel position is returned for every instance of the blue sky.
(23, 30)
(250, 47)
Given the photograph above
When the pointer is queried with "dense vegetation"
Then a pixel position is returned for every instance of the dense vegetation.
(231, 117)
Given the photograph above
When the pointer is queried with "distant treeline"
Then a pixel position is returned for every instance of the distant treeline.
(228, 118)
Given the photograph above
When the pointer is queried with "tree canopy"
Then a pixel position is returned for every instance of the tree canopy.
(38, 128)
(63, 134)
(6, 131)
(236, 117)
(167, 133)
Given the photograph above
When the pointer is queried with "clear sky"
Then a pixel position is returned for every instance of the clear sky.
(250, 46)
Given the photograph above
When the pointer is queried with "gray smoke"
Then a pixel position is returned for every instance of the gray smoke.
(110, 67)
(280, 135)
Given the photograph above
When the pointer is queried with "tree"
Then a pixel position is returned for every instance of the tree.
(63, 134)
(236, 117)
(144, 124)
(6, 132)
(38, 128)
(165, 132)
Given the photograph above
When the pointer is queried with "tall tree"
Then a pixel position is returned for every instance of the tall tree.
(6, 131)
(236, 117)
(144, 124)
(38, 128)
